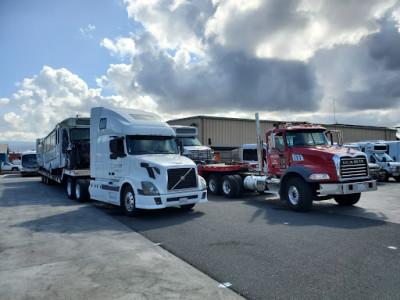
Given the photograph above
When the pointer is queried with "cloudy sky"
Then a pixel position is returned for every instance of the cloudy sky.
(287, 60)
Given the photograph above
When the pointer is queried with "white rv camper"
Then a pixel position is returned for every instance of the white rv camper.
(67, 146)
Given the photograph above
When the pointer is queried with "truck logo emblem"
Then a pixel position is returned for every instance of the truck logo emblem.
(181, 179)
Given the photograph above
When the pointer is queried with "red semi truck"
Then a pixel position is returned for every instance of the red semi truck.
(303, 166)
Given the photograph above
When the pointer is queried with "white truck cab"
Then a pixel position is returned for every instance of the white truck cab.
(192, 147)
(377, 154)
(135, 163)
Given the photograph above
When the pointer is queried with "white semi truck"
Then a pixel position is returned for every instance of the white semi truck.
(134, 163)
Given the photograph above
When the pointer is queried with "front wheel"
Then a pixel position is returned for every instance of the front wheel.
(397, 178)
(347, 200)
(298, 194)
(128, 202)
(384, 177)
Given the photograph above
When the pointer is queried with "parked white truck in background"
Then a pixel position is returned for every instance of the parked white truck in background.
(134, 163)
(29, 164)
(377, 154)
(192, 147)
(7, 166)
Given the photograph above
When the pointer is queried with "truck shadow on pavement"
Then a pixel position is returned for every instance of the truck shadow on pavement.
(151, 219)
(327, 214)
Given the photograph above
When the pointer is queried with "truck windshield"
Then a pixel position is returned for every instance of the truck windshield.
(79, 134)
(305, 138)
(190, 141)
(29, 160)
(383, 157)
(149, 144)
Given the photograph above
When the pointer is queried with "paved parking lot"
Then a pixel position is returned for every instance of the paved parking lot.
(258, 246)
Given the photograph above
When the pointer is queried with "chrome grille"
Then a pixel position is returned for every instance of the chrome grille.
(183, 178)
(353, 167)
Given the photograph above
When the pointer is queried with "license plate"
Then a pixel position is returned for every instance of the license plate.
(362, 186)
(183, 200)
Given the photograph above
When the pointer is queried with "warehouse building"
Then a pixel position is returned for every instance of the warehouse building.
(220, 132)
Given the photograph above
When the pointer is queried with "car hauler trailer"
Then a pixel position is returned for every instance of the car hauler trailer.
(302, 167)
(134, 163)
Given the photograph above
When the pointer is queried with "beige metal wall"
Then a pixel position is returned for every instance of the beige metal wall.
(236, 132)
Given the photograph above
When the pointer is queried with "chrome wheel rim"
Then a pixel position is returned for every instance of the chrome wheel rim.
(69, 188)
(212, 185)
(129, 201)
(293, 195)
(78, 191)
(226, 187)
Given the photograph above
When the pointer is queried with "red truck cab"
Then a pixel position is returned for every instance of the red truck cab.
(312, 168)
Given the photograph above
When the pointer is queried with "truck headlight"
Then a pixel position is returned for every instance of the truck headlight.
(149, 188)
(203, 183)
(319, 177)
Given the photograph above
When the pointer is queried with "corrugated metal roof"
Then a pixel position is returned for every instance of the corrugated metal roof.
(275, 121)
(3, 148)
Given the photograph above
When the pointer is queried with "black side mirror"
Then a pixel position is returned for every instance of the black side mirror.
(180, 147)
(209, 141)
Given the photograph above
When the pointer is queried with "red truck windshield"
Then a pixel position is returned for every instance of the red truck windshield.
(305, 138)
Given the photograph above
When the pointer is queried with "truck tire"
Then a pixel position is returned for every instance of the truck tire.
(240, 185)
(229, 186)
(128, 202)
(81, 190)
(384, 177)
(70, 188)
(397, 178)
(187, 207)
(214, 184)
(347, 200)
(298, 194)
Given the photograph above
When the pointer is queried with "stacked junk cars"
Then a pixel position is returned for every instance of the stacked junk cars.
(132, 159)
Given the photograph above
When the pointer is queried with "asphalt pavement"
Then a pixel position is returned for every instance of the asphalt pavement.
(52, 247)
(269, 252)
(55, 248)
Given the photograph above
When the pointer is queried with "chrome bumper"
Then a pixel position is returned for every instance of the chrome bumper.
(347, 188)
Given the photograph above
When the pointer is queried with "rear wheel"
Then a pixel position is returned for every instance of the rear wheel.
(214, 184)
(347, 200)
(239, 181)
(397, 178)
(71, 188)
(230, 186)
(81, 190)
(298, 194)
(128, 202)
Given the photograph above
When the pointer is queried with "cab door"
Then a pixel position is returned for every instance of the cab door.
(277, 155)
